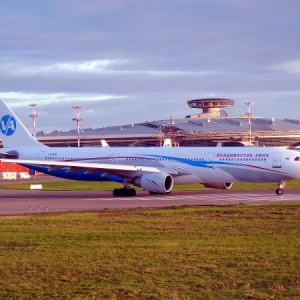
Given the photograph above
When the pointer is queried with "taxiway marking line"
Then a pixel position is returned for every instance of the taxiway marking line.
(243, 197)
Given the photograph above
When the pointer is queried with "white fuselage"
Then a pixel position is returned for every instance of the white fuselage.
(192, 164)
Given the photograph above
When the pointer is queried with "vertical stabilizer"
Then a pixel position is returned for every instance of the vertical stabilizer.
(104, 144)
(167, 143)
(12, 131)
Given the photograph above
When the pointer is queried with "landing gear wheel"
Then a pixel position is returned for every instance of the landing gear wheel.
(116, 192)
(124, 192)
(132, 192)
(280, 186)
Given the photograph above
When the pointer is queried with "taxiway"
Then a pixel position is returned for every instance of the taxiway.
(36, 201)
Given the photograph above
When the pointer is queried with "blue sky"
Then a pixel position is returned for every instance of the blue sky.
(130, 61)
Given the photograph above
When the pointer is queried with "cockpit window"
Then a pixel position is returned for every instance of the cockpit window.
(297, 158)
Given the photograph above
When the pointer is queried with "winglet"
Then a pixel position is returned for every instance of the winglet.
(12, 131)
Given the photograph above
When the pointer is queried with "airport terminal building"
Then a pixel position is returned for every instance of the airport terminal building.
(211, 127)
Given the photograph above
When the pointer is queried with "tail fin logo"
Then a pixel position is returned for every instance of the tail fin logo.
(8, 125)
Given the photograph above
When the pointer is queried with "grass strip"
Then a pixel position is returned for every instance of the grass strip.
(233, 252)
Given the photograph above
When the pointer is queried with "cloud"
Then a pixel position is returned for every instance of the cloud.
(147, 58)
(292, 67)
(93, 66)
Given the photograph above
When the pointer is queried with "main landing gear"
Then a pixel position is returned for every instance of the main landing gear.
(280, 186)
(124, 192)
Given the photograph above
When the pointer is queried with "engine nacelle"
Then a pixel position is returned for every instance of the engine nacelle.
(219, 185)
(161, 183)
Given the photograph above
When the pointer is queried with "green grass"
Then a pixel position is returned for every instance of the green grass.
(65, 185)
(230, 252)
(95, 186)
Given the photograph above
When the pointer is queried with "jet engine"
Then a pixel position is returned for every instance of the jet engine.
(161, 183)
(219, 185)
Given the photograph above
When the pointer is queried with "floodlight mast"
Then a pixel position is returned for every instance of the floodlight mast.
(34, 115)
(249, 115)
(78, 120)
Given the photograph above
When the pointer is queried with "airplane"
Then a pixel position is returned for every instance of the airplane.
(154, 169)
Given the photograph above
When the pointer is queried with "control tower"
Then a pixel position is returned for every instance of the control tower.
(211, 107)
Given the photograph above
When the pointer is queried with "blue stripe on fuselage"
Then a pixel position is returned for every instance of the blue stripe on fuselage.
(194, 163)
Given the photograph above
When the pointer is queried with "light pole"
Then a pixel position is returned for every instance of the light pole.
(34, 115)
(77, 120)
(249, 114)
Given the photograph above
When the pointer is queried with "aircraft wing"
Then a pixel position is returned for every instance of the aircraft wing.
(74, 166)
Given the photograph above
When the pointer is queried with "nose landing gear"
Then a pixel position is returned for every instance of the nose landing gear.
(280, 186)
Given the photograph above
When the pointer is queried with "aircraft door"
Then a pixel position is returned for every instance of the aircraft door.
(277, 160)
